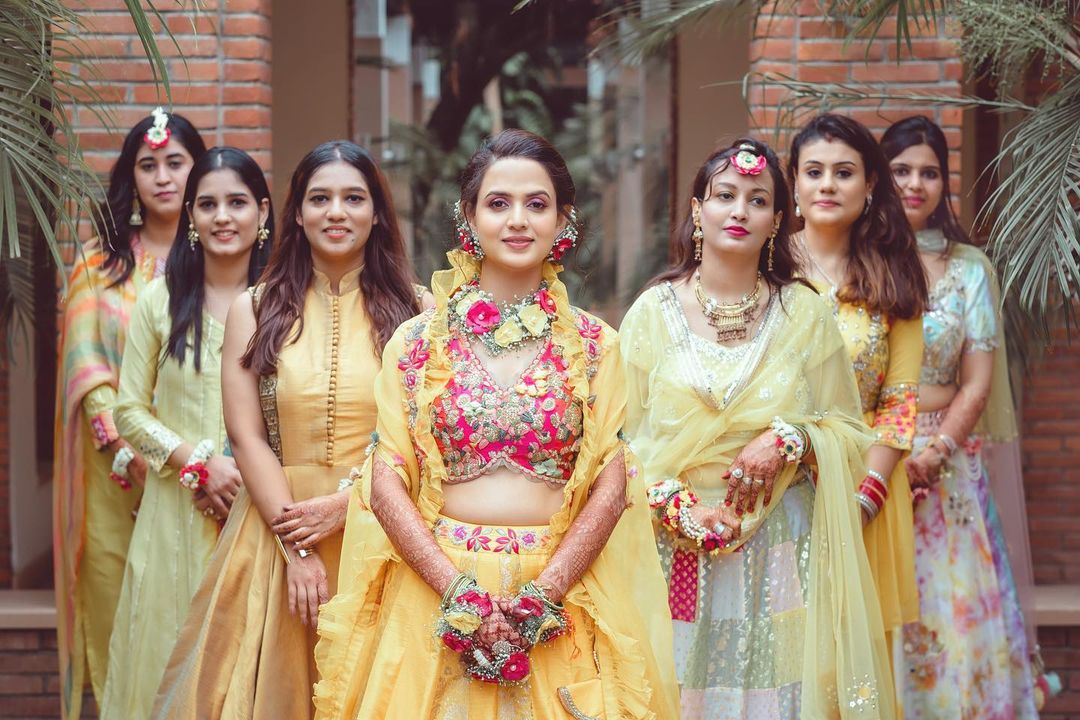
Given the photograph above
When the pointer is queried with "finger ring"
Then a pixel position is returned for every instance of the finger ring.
(737, 473)
(304, 552)
(759, 481)
(747, 481)
(720, 528)
(208, 511)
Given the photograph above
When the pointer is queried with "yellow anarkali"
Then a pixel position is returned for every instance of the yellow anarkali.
(161, 405)
(377, 655)
(783, 623)
(92, 514)
(241, 654)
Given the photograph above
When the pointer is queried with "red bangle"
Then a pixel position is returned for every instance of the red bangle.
(874, 490)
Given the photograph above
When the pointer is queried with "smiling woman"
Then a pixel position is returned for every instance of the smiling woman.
(98, 476)
(300, 354)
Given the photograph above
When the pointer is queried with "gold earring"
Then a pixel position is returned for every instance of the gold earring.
(136, 211)
(772, 245)
(263, 235)
(698, 235)
(192, 237)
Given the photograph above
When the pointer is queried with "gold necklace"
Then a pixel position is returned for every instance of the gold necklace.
(730, 320)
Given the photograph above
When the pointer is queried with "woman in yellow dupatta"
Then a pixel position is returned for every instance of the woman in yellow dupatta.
(736, 412)
(859, 251)
(93, 505)
(484, 505)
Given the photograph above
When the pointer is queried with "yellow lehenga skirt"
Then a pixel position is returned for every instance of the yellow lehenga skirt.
(890, 548)
(241, 653)
(405, 673)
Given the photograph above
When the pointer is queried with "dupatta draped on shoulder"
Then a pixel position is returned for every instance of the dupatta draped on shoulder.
(682, 417)
(622, 591)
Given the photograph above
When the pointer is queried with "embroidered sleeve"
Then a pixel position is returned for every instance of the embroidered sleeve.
(138, 378)
(980, 315)
(894, 417)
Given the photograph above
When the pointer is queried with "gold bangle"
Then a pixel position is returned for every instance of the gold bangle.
(281, 549)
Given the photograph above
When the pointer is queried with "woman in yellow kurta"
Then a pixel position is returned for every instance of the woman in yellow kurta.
(93, 506)
(768, 583)
(472, 579)
(860, 252)
(169, 409)
(298, 365)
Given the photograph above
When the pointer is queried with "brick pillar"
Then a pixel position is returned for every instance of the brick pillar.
(222, 83)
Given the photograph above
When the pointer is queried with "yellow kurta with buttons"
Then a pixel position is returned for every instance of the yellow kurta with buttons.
(242, 654)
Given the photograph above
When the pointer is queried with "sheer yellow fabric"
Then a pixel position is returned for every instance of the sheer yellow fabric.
(622, 593)
(690, 424)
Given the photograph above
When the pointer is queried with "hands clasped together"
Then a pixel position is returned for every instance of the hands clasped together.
(494, 635)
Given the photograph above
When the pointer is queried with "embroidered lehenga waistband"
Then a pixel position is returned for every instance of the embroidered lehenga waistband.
(512, 539)
(929, 423)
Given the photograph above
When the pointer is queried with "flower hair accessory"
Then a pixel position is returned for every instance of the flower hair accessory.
(158, 135)
(747, 161)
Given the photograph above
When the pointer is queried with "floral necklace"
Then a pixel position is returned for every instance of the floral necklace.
(502, 326)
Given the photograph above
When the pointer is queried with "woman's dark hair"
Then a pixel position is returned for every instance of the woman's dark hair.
(885, 273)
(116, 210)
(919, 130)
(681, 246)
(386, 282)
(516, 143)
(184, 272)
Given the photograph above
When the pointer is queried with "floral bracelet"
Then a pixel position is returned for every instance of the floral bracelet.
(791, 442)
(119, 470)
(538, 619)
(463, 610)
(672, 501)
(194, 474)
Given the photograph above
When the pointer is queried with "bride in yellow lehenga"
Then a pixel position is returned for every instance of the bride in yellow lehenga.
(473, 582)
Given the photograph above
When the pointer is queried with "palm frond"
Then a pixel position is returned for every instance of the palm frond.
(1035, 237)
(1005, 36)
(865, 18)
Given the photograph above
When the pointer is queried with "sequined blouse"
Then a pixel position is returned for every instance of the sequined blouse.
(960, 319)
(533, 427)
(886, 355)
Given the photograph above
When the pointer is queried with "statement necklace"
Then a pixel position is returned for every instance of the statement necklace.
(731, 321)
(502, 326)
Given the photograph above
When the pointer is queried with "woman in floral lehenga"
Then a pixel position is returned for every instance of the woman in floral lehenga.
(968, 654)
(859, 251)
(736, 410)
(497, 479)
(98, 478)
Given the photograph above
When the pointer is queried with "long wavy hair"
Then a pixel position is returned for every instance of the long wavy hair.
(885, 273)
(919, 130)
(185, 269)
(681, 247)
(386, 282)
(116, 210)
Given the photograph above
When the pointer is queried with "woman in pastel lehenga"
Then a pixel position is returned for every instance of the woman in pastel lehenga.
(744, 411)
(98, 476)
(300, 355)
(857, 248)
(498, 560)
(169, 407)
(968, 656)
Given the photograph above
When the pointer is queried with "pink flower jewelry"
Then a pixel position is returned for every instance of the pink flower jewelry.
(671, 500)
(501, 326)
(157, 136)
(747, 161)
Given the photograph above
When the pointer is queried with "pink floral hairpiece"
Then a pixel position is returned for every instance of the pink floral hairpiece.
(157, 136)
(747, 161)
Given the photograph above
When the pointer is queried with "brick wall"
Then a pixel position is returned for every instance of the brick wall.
(29, 676)
(804, 45)
(222, 83)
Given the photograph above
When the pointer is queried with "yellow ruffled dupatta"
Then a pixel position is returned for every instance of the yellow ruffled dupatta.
(623, 591)
(679, 424)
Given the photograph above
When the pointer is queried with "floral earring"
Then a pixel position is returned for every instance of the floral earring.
(567, 239)
(466, 236)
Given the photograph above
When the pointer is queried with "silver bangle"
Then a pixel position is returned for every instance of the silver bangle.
(867, 504)
(878, 476)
